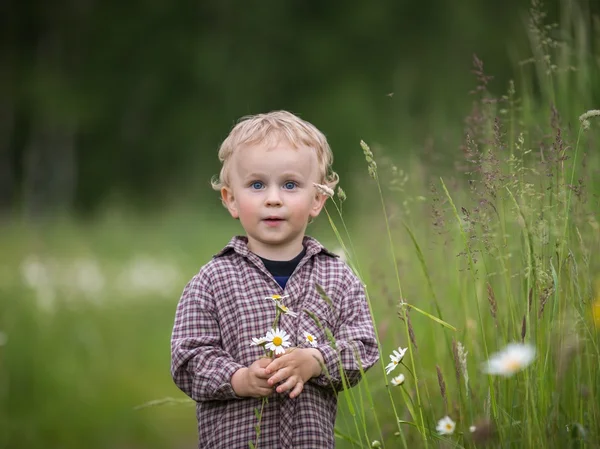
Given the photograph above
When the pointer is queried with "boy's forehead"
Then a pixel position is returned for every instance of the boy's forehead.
(274, 142)
(282, 156)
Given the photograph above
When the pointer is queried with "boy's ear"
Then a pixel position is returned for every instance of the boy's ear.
(318, 203)
(229, 201)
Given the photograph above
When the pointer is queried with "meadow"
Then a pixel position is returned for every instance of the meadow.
(492, 245)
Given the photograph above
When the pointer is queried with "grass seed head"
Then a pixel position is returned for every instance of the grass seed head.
(462, 358)
(457, 368)
(584, 118)
(441, 383)
(492, 302)
(372, 165)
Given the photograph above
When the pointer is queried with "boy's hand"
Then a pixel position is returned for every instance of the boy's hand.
(295, 367)
(252, 381)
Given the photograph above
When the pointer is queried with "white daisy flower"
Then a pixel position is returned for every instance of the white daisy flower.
(277, 297)
(284, 309)
(259, 341)
(512, 359)
(277, 341)
(310, 339)
(278, 300)
(445, 426)
(398, 380)
(396, 357)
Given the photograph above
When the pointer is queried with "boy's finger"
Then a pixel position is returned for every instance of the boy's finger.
(297, 390)
(266, 392)
(262, 374)
(263, 383)
(287, 385)
(279, 376)
(262, 392)
(275, 365)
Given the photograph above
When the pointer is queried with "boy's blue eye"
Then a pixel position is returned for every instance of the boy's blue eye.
(289, 185)
(257, 185)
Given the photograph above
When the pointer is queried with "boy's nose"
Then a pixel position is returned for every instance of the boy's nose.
(273, 197)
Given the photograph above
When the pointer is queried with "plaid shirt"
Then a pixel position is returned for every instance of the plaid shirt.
(224, 306)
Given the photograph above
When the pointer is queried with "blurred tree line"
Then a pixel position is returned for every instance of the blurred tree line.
(110, 99)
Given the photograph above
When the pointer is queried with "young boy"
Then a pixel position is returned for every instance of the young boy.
(271, 166)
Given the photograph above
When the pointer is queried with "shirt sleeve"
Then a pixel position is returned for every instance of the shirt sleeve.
(199, 365)
(355, 337)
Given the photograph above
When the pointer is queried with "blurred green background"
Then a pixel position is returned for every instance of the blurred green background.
(111, 115)
(109, 103)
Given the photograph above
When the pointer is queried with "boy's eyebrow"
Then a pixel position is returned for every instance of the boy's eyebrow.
(254, 175)
(286, 174)
(251, 176)
(291, 174)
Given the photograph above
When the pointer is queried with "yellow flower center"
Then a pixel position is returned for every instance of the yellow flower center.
(283, 308)
(448, 426)
(276, 297)
(309, 338)
(277, 341)
(513, 365)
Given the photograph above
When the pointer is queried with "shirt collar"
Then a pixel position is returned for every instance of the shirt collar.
(239, 244)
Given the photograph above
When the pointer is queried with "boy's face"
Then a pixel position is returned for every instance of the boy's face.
(272, 194)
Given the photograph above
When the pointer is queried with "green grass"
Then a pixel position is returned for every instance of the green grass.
(510, 257)
(517, 250)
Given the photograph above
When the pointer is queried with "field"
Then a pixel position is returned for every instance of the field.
(493, 243)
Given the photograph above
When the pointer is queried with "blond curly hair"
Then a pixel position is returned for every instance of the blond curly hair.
(269, 129)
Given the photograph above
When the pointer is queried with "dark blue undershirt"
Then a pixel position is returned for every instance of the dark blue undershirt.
(281, 270)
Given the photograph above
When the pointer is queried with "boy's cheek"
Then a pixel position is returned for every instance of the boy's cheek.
(245, 211)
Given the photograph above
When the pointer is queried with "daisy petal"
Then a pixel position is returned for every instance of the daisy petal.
(445, 426)
(512, 359)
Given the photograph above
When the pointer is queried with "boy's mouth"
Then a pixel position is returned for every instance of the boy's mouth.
(273, 221)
